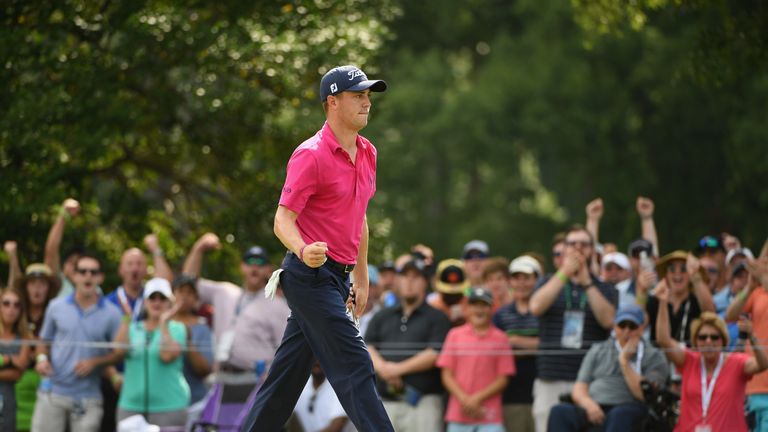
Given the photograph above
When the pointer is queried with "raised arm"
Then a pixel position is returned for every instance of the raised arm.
(700, 288)
(194, 261)
(162, 268)
(14, 268)
(759, 362)
(70, 208)
(594, 212)
(645, 208)
(670, 346)
(758, 275)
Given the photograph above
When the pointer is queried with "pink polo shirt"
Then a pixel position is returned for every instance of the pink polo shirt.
(726, 410)
(476, 361)
(330, 193)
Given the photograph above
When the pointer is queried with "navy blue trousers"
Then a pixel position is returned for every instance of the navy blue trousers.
(618, 418)
(318, 328)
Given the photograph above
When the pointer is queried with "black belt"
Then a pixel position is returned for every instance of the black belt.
(333, 265)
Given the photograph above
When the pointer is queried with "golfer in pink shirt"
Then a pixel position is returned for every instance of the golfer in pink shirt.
(321, 220)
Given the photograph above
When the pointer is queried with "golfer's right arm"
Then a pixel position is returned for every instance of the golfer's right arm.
(313, 254)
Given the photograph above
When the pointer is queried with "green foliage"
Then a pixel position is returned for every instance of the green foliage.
(502, 120)
(615, 115)
(160, 115)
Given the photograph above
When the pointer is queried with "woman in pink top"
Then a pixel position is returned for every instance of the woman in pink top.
(713, 388)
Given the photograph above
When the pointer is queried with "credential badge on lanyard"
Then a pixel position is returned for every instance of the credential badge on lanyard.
(706, 392)
(573, 320)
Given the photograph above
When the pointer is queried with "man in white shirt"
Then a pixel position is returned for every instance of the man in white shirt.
(318, 408)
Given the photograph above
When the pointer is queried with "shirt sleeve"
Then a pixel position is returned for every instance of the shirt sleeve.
(439, 330)
(747, 308)
(49, 325)
(506, 359)
(691, 358)
(372, 336)
(178, 333)
(496, 319)
(114, 323)
(610, 292)
(202, 340)
(300, 181)
(741, 359)
(655, 368)
(206, 289)
(588, 365)
(448, 355)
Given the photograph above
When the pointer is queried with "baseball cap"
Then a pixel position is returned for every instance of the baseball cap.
(184, 279)
(347, 78)
(638, 246)
(450, 277)
(475, 249)
(256, 255)
(481, 295)
(709, 242)
(416, 265)
(733, 253)
(158, 285)
(742, 266)
(525, 264)
(617, 258)
(630, 312)
(387, 266)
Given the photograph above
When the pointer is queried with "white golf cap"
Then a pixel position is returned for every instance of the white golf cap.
(617, 258)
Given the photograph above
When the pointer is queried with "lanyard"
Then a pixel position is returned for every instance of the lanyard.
(568, 294)
(242, 302)
(126, 305)
(707, 390)
(685, 320)
(636, 365)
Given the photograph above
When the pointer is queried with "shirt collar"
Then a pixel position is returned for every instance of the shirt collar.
(71, 300)
(327, 136)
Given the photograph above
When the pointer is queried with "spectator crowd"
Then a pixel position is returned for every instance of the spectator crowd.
(589, 338)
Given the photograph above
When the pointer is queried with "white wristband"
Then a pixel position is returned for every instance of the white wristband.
(41, 358)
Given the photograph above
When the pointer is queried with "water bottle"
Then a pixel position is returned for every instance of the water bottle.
(259, 367)
(45, 385)
(646, 263)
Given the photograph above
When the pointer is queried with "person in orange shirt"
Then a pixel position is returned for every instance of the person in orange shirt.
(753, 301)
(451, 283)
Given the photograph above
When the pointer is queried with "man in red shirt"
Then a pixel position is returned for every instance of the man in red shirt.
(321, 220)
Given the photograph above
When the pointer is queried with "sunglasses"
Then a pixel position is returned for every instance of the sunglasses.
(628, 324)
(709, 242)
(556, 254)
(255, 261)
(578, 243)
(14, 304)
(84, 271)
(676, 268)
(713, 270)
(713, 337)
